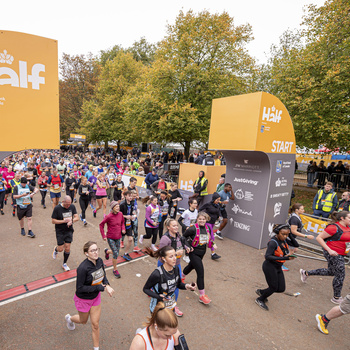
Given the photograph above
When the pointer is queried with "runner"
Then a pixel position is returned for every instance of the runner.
(84, 191)
(77, 176)
(55, 183)
(164, 280)
(115, 229)
(13, 183)
(110, 175)
(91, 281)
(151, 221)
(173, 239)
(175, 198)
(200, 237)
(132, 186)
(61, 168)
(92, 182)
(42, 182)
(119, 187)
(277, 249)
(23, 194)
(135, 222)
(225, 195)
(335, 241)
(128, 211)
(70, 185)
(2, 193)
(335, 312)
(63, 217)
(8, 177)
(161, 332)
(164, 201)
(101, 194)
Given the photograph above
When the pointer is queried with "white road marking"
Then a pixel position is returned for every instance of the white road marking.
(58, 284)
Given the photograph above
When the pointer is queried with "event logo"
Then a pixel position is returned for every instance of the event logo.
(246, 181)
(247, 195)
(277, 209)
(270, 227)
(241, 226)
(236, 209)
(281, 182)
(272, 115)
(187, 185)
(277, 195)
(279, 166)
(282, 146)
(22, 78)
(239, 194)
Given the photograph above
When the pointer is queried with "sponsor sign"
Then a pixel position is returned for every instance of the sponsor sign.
(312, 224)
(77, 137)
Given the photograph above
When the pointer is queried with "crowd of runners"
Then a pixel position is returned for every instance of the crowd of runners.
(94, 180)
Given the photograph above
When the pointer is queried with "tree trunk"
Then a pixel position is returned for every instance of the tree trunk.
(106, 145)
(187, 150)
(118, 146)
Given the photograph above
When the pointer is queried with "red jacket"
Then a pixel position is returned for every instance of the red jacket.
(115, 225)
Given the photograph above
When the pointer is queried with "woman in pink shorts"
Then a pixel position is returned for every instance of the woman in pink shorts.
(91, 281)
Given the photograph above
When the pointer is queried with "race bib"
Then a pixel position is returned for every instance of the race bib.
(347, 248)
(1, 186)
(84, 189)
(119, 187)
(71, 188)
(26, 200)
(170, 302)
(192, 222)
(56, 186)
(104, 185)
(67, 215)
(203, 239)
(97, 277)
(95, 187)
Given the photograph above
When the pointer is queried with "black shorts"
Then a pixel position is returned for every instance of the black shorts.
(8, 190)
(64, 237)
(223, 213)
(128, 232)
(117, 195)
(24, 212)
(100, 197)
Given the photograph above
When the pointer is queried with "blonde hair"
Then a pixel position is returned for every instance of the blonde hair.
(162, 317)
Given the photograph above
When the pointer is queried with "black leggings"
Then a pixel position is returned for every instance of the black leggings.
(43, 195)
(151, 233)
(161, 226)
(274, 278)
(197, 264)
(2, 198)
(336, 268)
(84, 203)
(70, 194)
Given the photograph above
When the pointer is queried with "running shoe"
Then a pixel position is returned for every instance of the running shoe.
(54, 253)
(84, 222)
(218, 235)
(258, 291)
(127, 257)
(337, 300)
(5, 201)
(2, 212)
(80, 217)
(70, 324)
(65, 267)
(204, 299)
(14, 212)
(44, 206)
(23, 232)
(215, 256)
(154, 248)
(31, 234)
(94, 213)
(178, 312)
(75, 200)
(106, 254)
(303, 275)
(116, 274)
(284, 268)
(321, 324)
(186, 258)
(136, 249)
(92, 207)
(121, 244)
(141, 239)
(261, 304)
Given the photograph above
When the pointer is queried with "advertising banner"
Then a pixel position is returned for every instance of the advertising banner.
(77, 137)
(313, 225)
(28, 92)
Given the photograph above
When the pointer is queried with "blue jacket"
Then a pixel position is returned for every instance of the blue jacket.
(150, 178)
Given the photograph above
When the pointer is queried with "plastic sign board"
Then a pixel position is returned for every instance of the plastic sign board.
(77, 137)
(29, 110)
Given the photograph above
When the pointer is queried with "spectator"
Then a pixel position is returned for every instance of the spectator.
(325, 201)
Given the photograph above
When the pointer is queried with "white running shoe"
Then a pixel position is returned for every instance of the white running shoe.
(141, 239)
(186, 258)
(154, 248)
(337, 300)
(303, 275)
(65, 267)
(54, 253)
(70, 324)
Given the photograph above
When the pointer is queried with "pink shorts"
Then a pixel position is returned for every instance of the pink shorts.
(84, 305)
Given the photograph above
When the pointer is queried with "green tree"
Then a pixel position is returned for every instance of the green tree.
(202, 57)
(310, 73)
(103, 118)
(79, 76)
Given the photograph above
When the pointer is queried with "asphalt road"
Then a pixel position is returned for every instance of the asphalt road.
(231, 321)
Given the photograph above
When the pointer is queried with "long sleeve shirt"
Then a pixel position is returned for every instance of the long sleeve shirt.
(115, 225)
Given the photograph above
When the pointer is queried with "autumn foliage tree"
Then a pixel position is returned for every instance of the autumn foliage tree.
(78, 77)
(310, 72)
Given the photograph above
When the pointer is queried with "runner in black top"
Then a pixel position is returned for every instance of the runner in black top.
(118, 186)
(164, 280)
(91, 281)
(84, 191)
(277, 249)
(63, 217)
(175, 198)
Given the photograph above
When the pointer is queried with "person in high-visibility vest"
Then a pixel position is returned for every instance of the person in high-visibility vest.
(325, 201)
(200, 187)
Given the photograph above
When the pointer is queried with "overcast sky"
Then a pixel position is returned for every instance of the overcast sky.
(90, 26)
